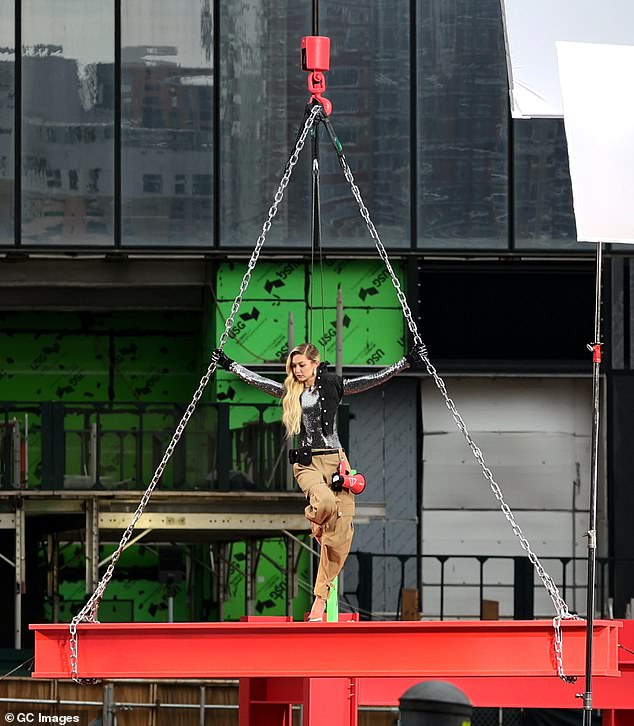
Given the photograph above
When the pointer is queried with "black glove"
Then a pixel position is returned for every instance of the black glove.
(222, 360)
(415, 355)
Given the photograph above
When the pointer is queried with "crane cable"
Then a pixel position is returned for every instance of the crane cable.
(316, 237)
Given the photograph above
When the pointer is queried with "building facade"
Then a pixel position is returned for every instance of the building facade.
(141, 146)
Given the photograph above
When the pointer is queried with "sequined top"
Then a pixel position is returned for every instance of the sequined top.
(273, 388)
(319, 425)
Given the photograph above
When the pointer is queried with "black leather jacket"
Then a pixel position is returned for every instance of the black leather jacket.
(330, 389)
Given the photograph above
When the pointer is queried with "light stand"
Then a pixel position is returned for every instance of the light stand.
(595, 347)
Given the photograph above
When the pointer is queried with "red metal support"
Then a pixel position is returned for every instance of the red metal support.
(238, 650)
(495, 663)
(329, 701)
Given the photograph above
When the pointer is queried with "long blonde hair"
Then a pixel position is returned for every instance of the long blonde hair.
(292, 416)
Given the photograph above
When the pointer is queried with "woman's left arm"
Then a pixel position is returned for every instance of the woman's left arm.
(371, 380)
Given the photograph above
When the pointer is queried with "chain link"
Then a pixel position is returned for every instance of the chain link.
(560, 605)
(90, 610)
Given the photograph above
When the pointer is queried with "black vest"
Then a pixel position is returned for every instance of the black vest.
(330, 389)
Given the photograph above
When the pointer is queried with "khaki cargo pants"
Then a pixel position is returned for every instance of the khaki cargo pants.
(330, 515)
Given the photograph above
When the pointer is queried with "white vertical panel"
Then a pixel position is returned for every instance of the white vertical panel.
(535, 436)
(599, 120)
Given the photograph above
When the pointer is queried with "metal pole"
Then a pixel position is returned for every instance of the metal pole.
(53, 574)
(592, 534)
(289, 441)
(339, 333)
(338, 582)
(108, 709)
(250, 570)
(92, 463)
(201, 713)
(291, 575)
(92, 544)
(20, 574)
(25, 483)
(315, 226)
(291, 332)
(16, 453)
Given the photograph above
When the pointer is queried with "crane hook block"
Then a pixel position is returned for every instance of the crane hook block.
(316, 60)
(315, 53)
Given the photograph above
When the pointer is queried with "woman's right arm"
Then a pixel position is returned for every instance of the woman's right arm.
(273, 388)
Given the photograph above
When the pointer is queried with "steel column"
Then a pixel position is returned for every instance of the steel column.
(20, 572)
(329, 701)
(92, 544)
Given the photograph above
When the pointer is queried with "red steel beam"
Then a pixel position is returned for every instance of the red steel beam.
(520, 692)
(283, 650)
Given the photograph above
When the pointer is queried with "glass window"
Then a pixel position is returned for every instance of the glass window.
(67, 120)
(7, 114)
(152, 183)
(544, 215)
(264, 94)
(370, 89)
(263, 98)
(166, 109)
(462, 125)
(179, 184)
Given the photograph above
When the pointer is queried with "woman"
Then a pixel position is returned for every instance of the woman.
(310, 398)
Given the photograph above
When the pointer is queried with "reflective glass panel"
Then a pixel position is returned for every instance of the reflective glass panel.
(462, 125)
(166, 123)
(544, 217)
(264, 94)
(7, 109)
(67, 122)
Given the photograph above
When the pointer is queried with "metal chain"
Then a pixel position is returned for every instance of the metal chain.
(90, 610)
(560, 605)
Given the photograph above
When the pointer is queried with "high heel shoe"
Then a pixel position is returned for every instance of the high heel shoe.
(317, 611)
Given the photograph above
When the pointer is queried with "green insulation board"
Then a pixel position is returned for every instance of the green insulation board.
(364, 283)
(269, 281)
(77, 357)
(260, 329)
(270, 594)
(155, 368)
(53, 366)
(373, 337)
(136, 593)
(374, 331)
(125, 360)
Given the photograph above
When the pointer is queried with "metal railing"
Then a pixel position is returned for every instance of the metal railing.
(469, 580)
(77, 445)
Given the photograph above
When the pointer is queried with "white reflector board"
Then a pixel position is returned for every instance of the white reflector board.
(598, 103)
(532, 27)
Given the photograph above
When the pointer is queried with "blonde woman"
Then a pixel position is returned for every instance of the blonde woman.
(311, 395)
